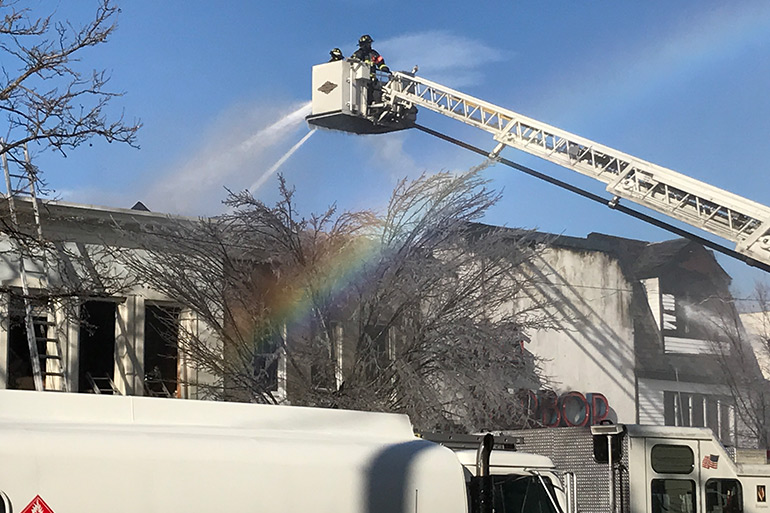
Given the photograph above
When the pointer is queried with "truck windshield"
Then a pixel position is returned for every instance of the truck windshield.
(523, 494)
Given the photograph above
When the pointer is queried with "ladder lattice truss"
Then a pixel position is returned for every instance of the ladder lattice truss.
(732, 217)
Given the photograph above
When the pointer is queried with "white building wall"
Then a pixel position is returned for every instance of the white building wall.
(591, 348)
(651, 407)
(757, 326)
(129, 323)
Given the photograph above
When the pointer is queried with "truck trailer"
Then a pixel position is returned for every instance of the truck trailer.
(82, 453)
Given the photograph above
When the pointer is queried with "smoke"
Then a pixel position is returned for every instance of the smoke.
(230, 159)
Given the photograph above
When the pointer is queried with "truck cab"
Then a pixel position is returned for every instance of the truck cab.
(521, 482)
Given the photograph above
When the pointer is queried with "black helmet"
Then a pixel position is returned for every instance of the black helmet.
(335, 52)
(366, 39)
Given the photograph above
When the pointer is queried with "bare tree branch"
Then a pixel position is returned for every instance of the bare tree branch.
(410, 311)
(45, 95)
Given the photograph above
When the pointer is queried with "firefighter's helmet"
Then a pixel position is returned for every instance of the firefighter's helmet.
(336, 53)
(365, 40)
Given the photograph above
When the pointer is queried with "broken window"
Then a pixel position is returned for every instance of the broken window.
(266, 358)
(97, 344)
(161, 350)
(20, 375)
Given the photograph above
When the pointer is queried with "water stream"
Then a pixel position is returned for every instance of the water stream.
(267, 174)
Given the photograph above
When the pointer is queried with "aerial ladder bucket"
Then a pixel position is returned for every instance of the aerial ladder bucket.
(347, 98)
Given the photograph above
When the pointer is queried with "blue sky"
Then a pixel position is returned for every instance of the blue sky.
(220, 88)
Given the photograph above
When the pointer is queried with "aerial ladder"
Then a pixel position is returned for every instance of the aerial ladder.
(346, 98)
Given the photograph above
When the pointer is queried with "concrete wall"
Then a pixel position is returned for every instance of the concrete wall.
(591, 346)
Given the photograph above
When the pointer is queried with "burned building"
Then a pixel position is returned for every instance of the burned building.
(96, 327)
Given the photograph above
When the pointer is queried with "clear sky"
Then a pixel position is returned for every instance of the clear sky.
(220, 88)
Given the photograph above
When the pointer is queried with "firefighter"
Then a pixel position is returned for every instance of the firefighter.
(336, 55)
(370, 56)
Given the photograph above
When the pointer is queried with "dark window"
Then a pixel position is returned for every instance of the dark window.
(669, 408)
(724, 496)
(523, 494)
(20, 375)
(712, 414)
(97, 342)
(265, 360)
(685, 409)
(682, 402)
(161, 350)
(673, 496)
(672, 459)
(697, 411)
(725, 431)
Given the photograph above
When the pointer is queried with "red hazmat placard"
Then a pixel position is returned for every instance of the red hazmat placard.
(37, 505)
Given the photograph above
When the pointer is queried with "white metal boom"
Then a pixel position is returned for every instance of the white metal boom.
(732, 217)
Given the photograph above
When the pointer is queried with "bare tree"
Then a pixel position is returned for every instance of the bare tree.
(740, 355)
(411, 312)
(51, 100)
(748, 370)
(46, 95)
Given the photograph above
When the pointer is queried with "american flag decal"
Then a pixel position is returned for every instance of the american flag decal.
(710, 461)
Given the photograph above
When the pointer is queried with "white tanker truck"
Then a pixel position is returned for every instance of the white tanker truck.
(80, 453)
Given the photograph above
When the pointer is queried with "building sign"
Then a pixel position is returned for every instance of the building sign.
(568, 409)
(37, 505)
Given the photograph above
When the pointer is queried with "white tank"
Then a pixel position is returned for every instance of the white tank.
(86, 453)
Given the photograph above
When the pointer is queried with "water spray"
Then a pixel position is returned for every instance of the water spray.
(267, 174)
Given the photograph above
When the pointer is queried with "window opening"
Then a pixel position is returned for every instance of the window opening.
(161, 350)
(672, 459)
(724, 496)
(97, 343)
(673, 496)
(20, 375)
(521, 494)
(699, 410)
(266, 358)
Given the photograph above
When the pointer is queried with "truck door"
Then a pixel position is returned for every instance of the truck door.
(672, 476)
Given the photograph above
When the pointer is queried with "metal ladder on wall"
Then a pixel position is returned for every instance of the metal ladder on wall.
(39, 319)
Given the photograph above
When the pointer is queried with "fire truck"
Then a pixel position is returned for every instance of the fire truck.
(606, 468)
